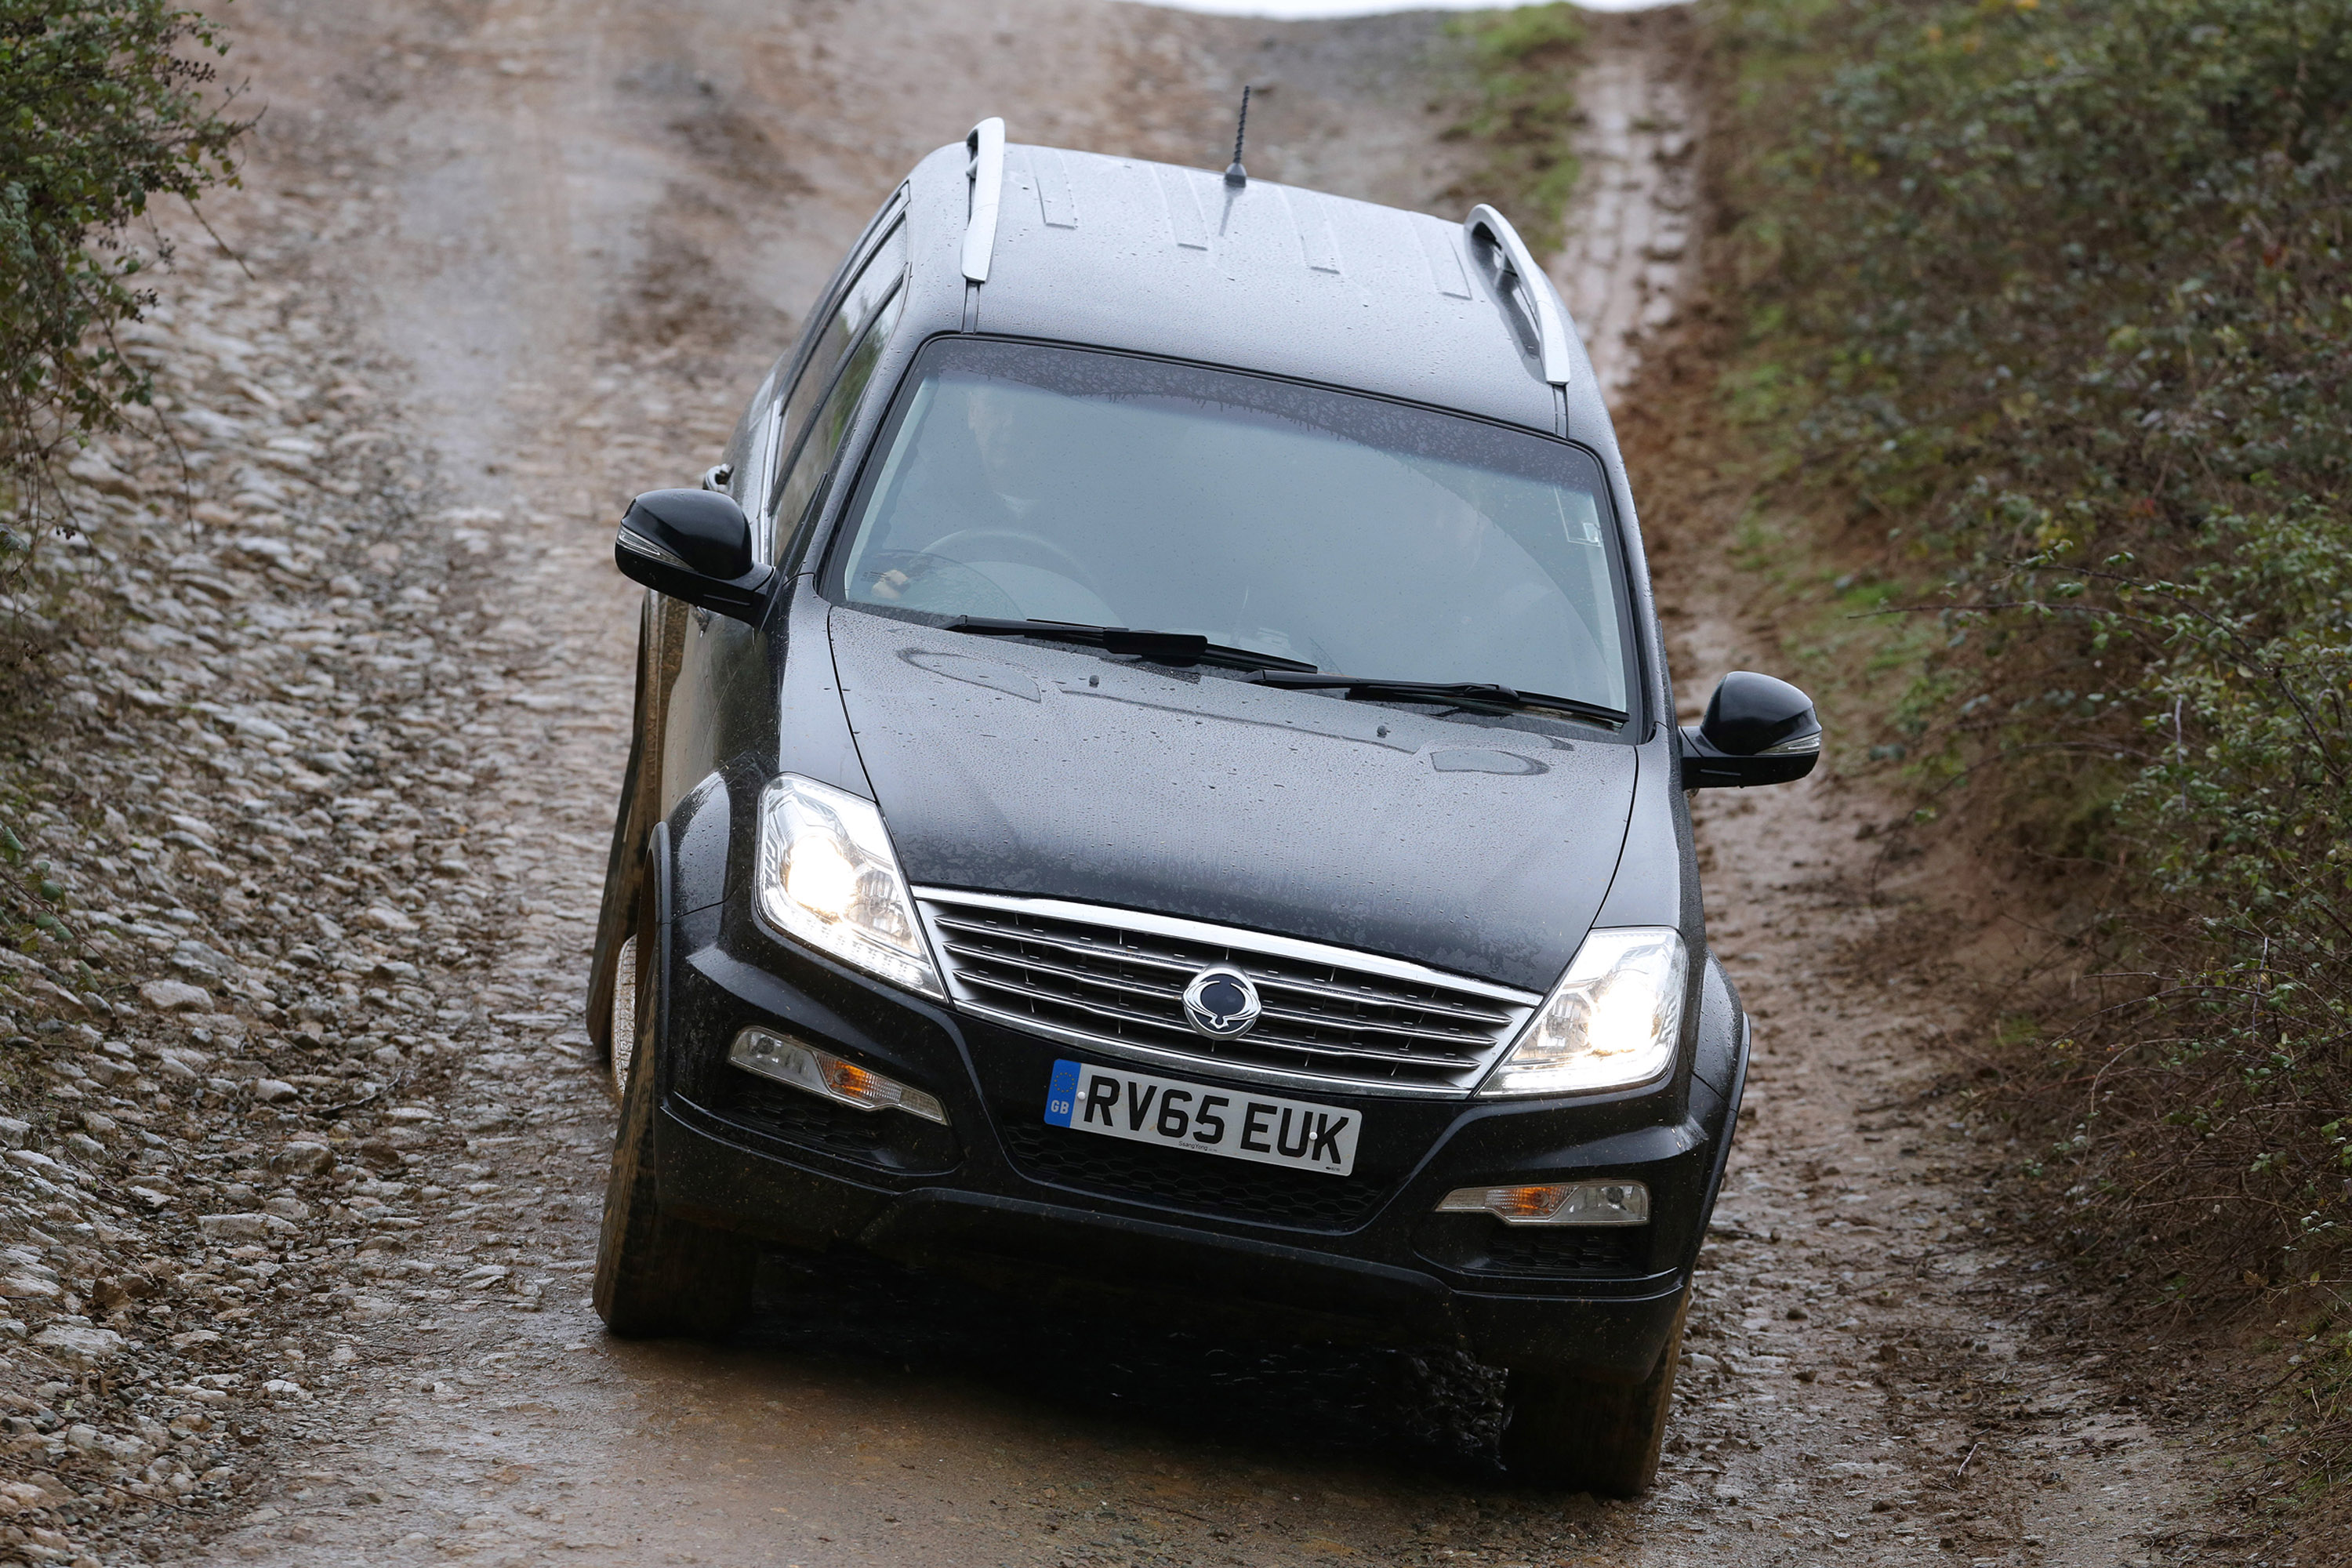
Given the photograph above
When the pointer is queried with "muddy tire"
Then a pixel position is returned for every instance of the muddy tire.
(633, 819)
(1576, 1434)
(622, 1043)
(656, 1275)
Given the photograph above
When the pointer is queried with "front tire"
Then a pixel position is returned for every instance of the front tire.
(656, 1275)
(1579, 1434)
(622, 1031)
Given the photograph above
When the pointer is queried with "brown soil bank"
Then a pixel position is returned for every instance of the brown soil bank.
(1884, 417)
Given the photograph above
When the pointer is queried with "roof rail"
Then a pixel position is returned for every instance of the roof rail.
(1551, 328)
(986, 172)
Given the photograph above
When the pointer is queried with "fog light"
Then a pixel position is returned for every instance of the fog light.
(1561, 1203)
(820, 1073)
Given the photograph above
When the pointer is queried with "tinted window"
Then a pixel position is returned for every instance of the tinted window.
(806, 469)
(1359, 535)
(844, 326)
(747, 447)
(752, 451)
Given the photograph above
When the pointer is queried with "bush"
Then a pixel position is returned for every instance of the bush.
(2054, 299)
(100, 109)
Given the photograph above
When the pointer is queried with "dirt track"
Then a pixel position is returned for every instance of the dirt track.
(570, 234)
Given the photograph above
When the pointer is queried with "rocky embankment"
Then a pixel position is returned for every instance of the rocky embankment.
(257, 844)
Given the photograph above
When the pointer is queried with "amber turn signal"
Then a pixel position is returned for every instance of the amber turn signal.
(1556, 1202)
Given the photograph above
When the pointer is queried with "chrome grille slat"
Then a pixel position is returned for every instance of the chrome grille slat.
(1113, 979)
(981, 955)
(1266, 978)
(1491, 1018)
(1182, 1036)
(1127, 1015)
(1357, 1025)
(1174, 997)
(987, 928)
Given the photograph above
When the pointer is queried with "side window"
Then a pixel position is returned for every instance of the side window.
(748, 447)
(851, 311)
(807, 466)
(751, 453)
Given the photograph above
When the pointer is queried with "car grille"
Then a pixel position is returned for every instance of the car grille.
(1115, 979)
(1564, 1249)
(1476, 1244)
(887, 1139)
(1306, 1200)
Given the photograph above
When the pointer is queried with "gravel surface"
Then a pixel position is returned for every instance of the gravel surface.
(304, 1161)
(261, 1075)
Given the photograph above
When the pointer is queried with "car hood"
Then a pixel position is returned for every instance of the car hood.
(1017, 767)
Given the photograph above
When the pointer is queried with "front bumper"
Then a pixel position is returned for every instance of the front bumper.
(1002, 1196)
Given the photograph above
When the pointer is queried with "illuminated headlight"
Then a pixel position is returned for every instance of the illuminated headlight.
(829, 1076)
(1558, 1202)
(1612, 1020)
(827, 877)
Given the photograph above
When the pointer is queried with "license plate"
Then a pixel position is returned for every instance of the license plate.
(1177, 1115)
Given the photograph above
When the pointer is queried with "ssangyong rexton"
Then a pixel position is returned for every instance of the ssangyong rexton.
(1154, 766)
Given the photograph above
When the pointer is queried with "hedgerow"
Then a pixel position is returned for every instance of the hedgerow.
(2052, 299)
(104, 105)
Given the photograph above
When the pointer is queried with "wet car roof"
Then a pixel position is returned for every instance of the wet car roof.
(1129, 253)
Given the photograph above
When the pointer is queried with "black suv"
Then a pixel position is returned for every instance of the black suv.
(1154, 768)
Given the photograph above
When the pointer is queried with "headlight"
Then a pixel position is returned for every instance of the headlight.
(1612, 1020)
(827, 877)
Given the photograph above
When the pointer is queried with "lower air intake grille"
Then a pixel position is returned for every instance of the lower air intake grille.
(887, 1139)
(1200, 1183)
(1565, 1249)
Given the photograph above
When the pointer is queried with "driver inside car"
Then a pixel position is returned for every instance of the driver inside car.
(1005, 500)
(973, 494)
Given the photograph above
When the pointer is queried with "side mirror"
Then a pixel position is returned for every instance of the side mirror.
(1758, 730)
(694, 545)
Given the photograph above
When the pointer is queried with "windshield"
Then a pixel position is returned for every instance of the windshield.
(1355, 535)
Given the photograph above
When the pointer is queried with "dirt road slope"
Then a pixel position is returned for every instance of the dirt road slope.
(560, 240)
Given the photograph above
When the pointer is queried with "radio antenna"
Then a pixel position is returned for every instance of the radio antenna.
(1234, 174)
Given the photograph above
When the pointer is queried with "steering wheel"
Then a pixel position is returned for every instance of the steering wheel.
(916, 579)
(959, 544)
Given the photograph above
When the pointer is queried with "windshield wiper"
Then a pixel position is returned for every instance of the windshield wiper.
(1180, 648)
(1465, 692)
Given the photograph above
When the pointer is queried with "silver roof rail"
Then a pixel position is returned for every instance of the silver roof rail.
(986, 173)
(1551, 328)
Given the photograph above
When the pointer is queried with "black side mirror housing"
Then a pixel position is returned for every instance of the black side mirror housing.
(1758, 730)
(694, 545)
